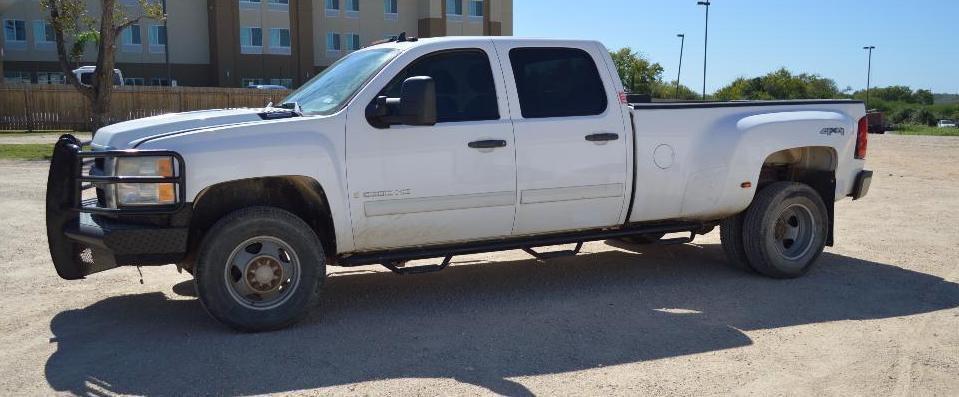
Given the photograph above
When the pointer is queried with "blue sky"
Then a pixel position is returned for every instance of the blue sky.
(917, 41)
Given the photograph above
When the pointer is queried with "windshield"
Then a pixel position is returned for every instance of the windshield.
(328, 91)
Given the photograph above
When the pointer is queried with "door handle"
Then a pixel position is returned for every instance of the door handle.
(601, 137)
(487, 144)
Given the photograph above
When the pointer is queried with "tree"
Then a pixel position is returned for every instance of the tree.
(667, 90)
(73, 26)
(924, 97)
(638, 73)
(781, 84)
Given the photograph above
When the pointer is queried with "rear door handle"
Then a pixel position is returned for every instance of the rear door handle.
(601, 137)
(487, 144)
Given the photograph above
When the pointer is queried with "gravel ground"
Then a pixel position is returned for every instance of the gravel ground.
(878, 316)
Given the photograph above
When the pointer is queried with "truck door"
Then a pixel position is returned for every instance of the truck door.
(455, 181)
(571, 140)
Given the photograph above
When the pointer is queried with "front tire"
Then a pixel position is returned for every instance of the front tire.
(259, 269)
(784, 230)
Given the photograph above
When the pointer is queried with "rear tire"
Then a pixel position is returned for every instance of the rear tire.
(731, 237)
(259, 269)
(784, 230)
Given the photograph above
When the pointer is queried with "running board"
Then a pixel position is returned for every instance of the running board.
(553, 254)
(678, 240)
(397, 267)
(401, 255)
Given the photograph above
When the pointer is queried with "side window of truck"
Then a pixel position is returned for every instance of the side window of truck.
(464, 84)
(557, 82)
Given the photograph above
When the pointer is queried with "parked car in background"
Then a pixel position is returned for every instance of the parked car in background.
(877, 122)
(267, 87)
(85, 75)
(947, 124)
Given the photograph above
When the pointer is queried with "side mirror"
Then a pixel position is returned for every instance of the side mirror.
(415, 106)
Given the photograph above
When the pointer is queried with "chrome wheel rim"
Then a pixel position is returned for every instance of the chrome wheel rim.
(794, 231)
(262, 273)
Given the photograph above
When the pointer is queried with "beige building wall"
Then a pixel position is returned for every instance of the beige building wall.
(371, 24)
(204, 36)
(189, 28)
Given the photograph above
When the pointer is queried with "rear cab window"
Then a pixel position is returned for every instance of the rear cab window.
(557, 82)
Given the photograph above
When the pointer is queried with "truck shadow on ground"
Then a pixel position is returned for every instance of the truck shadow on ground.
(477, 323)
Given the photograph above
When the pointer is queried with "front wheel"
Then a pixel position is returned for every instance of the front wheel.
(784, 230)
(259, 269)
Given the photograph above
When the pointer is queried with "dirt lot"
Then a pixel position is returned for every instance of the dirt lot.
(878, 315)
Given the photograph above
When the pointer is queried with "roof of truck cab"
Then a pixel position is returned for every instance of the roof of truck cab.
(468, 40)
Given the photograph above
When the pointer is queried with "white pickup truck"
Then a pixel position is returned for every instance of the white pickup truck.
(416, 149)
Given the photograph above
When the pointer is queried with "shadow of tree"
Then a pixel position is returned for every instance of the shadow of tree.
(479, 324)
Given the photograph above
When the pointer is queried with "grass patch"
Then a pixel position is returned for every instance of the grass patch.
(910, 129)
(29, 151)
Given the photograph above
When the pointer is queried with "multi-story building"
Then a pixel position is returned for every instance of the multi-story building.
(235, 43)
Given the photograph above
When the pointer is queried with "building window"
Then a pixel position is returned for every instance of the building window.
(332, 8)
(353, 8)
(51, 78)
(157, 38)
(15, 34)
(279, 5)
(130, 39)
(454, 8)
(43, 35)
(288, 83)
(280, 41)
(352, 41)
(135, 81)
(333, 43)
(390, 8)
(476, 9)
(250, 4)
(12, 77)
(251, 40)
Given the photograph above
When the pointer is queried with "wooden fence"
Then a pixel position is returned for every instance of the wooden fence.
(61, 107)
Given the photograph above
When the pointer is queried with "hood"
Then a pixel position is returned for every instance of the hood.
(127, 134)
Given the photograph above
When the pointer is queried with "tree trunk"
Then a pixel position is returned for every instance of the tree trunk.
(100, 112)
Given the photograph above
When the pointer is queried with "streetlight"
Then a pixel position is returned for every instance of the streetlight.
(682, 43)
(166, 46)
(705, 44)
(868, 72)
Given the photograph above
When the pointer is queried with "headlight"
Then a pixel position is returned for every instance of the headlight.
(145, 193)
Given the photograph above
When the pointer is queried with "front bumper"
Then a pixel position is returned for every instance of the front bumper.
(86, 238)
(861, 186)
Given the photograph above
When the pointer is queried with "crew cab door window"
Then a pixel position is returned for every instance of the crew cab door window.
(557, 82)
(464, 85)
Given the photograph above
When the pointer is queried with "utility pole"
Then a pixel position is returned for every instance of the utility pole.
(868, 72)
(682, 44)
(166, 46)
(705, 44)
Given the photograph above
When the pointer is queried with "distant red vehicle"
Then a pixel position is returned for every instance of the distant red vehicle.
(877, 122)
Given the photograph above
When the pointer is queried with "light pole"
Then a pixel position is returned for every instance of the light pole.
(166, 47)
(705, 44)
(682, 43)
(868, 72)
